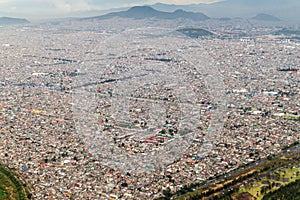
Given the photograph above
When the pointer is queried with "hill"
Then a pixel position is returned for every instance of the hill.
(143, 12)
(265, 17)
(195, 32)
(12, 21)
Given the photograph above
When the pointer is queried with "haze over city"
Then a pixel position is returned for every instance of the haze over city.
(37, 10)
(48, 8)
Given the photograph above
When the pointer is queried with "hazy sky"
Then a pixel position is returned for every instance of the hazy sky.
(52, 8)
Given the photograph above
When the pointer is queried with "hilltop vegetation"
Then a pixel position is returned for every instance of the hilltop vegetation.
(195, 32)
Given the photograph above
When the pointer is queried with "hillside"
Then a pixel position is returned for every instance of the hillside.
(195, 32)
(266, 17)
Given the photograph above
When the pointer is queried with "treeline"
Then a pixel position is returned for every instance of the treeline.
(226, 191)
(290, 192)
(227, 195)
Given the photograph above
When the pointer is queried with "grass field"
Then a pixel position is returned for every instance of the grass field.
(281, 177)
(11, 188)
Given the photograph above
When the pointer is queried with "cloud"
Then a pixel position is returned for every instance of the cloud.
(59, 8)
(60, 5)
(75, 5)
(181, 2)
(70, 6)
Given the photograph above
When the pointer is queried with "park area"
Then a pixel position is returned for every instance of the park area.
(273, 178)
(272, 182)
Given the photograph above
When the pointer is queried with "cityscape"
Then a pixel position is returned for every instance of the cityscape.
(124, 108)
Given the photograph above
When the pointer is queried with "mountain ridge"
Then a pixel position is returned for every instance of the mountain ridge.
(283, 9)
(12, 21)
(143, 12)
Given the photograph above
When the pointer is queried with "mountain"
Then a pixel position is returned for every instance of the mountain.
(12, 21)
(265, 17)
(284, 9)
(143, 12)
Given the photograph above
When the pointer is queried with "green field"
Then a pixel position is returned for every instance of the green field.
(11, 188)
(271, 183)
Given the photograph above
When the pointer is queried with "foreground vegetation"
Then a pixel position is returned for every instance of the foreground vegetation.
(11, 187)
(265, 180)
(273, 182)
(290, 191)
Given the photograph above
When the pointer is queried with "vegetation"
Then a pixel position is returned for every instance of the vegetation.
(254, 182)
(290, 191)
(295, 144)
(272, 182)
(11, 187)
(195, 32)
(292, 117)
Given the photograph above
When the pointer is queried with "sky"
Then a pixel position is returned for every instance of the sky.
(57, 8)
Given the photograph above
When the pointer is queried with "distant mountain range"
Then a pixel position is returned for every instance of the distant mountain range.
(12, 21)
(284, 9)
(143, 12)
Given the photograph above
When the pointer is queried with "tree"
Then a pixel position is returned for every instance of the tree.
(167, 193)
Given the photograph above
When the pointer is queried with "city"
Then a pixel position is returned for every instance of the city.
(127, 109)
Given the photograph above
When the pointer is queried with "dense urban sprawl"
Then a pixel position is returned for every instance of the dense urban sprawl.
(73, 93)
